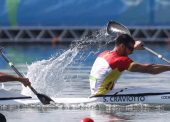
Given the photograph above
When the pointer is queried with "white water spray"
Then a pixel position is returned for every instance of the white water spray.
(48, 76)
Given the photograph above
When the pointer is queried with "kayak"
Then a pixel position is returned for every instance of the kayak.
(13, 98)
(119, 96)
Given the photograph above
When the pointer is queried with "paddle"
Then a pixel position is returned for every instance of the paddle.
(43, 98)
(156, 54)
(115, 27)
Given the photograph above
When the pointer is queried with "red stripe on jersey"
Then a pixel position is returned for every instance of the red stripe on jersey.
(115, 60)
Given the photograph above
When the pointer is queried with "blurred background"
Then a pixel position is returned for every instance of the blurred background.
(37, 35)
(64, 21)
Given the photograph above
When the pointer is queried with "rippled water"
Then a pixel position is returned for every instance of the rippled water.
(71, 80)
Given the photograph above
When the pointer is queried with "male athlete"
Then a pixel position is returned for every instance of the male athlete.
(6, 77)
(109, 65)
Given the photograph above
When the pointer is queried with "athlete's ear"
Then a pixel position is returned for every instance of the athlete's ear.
(122, 46)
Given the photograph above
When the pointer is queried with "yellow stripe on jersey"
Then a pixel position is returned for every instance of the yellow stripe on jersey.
(130, 66)
(106, 54)
(108, 82)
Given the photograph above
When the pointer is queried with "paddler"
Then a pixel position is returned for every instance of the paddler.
(109, 65)
(8, 78)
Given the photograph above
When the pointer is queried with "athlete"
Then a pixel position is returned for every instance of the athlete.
(109, 65)
(6, 77)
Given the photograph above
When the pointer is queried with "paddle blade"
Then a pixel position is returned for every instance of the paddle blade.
(44, 98)
(114, 29)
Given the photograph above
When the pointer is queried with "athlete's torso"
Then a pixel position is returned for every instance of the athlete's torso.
(106, 70)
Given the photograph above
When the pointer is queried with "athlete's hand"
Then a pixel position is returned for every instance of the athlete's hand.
(1, 48)
(25, 81)
(139, 45)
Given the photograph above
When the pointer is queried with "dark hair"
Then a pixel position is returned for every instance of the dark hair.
(125, 39)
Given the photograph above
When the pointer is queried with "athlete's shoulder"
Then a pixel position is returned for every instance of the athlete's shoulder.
(103, 53)
(125, 58)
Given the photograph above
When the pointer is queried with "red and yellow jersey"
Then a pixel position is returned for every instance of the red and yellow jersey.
(106, 69)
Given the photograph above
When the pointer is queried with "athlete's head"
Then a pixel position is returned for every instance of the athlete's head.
(125, 39)
(126, 42)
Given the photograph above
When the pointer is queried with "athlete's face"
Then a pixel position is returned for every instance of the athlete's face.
(128, 49)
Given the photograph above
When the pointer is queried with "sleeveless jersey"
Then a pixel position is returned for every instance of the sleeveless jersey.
(106, 69)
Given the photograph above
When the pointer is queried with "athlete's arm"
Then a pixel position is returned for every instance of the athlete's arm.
(149, 68)
(6, 77)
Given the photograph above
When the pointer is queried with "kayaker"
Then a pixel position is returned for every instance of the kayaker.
(109, 65)
(10, 78)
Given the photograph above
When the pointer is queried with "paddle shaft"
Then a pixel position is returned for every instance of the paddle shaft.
(12, 66)
(156, 54)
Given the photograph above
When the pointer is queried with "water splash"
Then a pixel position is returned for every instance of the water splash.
(3, 87)
(49, 76)
(96, 106)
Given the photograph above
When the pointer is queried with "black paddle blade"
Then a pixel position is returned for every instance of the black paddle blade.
(114, 29)
(44, 98)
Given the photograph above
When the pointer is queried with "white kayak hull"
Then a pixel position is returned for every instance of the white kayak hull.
(159, 99)
(120, 96)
